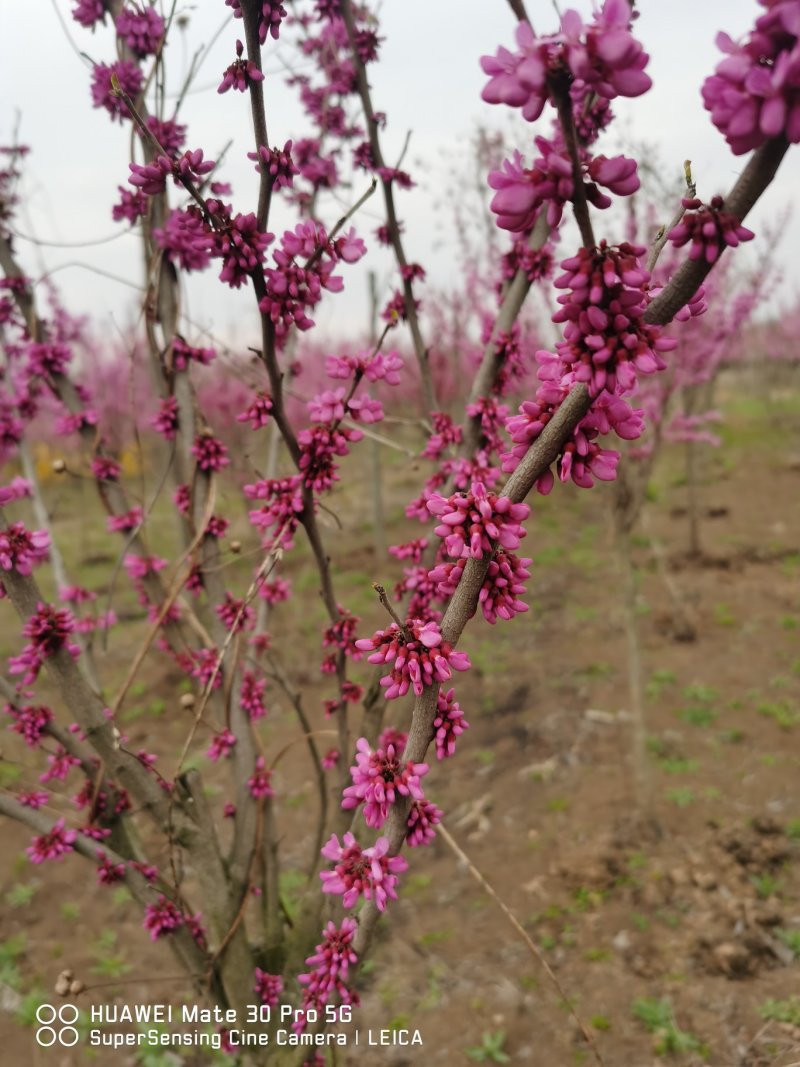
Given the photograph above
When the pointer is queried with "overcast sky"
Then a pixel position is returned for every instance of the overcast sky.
(428, 82)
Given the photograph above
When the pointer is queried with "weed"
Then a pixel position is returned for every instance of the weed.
(793, 829)
(790, 938)
(659, 681)
(601, 1023)
(490, 1049)
(782, 1011)
(21, 894)
(682, 796)
(723, 616)
(766, 885)
(678, 766)
(597, 955)
(784, 715)
(557, 804)
(658, 1018)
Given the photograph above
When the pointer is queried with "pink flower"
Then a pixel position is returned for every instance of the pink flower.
(419, 654)
(130, 79)
(166, 421)
(259, 781)
(331, 964)
(49, 629)
(472, 524)
(259, 412)
(52, 845)
(251, 696)
(22, 550)
(34, 799)
(221, 746)
(367, 873)
(379, 777)
(142, 30)
(448, 724)
(162, 918)
(108, 873)
(240, 74)
(210, 453)
(123, 523)
(422, 817)
(30, 722)
(710, 229)
(89, 12)
(330, 759)
(277, 163)
(268, 987)
(754, 94)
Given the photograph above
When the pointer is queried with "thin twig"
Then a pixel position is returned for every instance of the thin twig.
(523, 933)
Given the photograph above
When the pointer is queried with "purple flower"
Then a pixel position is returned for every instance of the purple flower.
(259, 781)
(369, 873)
(49, 629)
(448, 724)
(142, 30)
(710, 229)
(162, 918)
(89, 12)
(130, 79)
(277, 163)
(22, 550)
(221, 746)
(754, 94)
(472, 524)
(240, 74)
(378, 778)
(166, 421)
(268, 987)
(52, 845)
(419, 654)
(210, 453)
(331, 964)
(30, 722)
(259, 412)
(422, 817)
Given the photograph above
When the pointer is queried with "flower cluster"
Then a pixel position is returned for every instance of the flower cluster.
(331, 965)
(162, 918)
(48, 629)
(602, 56)
(240, 74)
(448, 724)
(418, 653)
(422, 817)
(472, 523)
(606, 340)
(754, 94)
(268, 987)
(369, 873)
(21, 550)
(709, 228)
(379, 777)
(52, 845)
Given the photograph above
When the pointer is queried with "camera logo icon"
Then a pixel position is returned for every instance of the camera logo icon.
(48, 1033)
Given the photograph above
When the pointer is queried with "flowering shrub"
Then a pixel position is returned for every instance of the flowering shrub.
(612, 319)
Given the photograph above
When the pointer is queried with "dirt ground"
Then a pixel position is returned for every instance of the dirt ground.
(677, 943)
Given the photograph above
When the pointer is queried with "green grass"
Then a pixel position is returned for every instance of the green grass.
(657, 1016)
(782, 1011)
(683, 797)
(490, 1049)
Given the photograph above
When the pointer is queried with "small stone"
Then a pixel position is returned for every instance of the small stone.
(76, 987)
(187, 700)
(61, 987)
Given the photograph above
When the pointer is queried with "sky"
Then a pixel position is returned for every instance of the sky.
(428, 82)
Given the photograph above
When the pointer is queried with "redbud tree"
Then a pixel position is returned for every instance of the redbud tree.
(205, 870)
